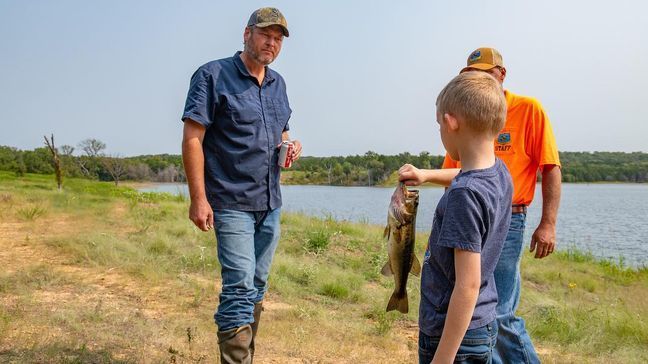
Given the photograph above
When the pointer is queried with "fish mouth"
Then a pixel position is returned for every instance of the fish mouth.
(411, 196)
(404, 203)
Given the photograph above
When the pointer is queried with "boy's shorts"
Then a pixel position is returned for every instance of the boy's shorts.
(476, 347)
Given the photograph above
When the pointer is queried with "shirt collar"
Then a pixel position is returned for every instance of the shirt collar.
(509, 97)
(244, 71)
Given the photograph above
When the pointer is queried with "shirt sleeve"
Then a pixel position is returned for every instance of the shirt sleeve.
(463, 221)
(201, 101)
(287, 106)
(287, 127)
(543, 143)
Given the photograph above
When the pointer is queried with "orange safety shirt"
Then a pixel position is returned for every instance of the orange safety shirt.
(525, 144)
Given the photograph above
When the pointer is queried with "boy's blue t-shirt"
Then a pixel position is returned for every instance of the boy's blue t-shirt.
(474, 214)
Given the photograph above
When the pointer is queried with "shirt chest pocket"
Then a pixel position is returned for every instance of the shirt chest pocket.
(243, 108)
(281, 112)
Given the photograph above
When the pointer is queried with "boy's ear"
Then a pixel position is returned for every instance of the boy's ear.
(453, 123)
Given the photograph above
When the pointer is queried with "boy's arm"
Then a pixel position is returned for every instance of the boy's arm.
(461, 306)
(413, 176)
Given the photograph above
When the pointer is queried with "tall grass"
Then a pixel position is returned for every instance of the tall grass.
(581, 304)
(31, 213)
(30, 278)
(325, 274)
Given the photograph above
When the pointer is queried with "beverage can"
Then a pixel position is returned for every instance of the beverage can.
(285, 154)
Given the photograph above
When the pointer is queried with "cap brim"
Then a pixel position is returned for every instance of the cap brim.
(284, 30)
(480, 66)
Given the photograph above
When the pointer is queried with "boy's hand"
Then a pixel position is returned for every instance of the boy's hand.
(410, 175)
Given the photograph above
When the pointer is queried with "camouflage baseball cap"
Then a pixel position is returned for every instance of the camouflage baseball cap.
(266, 17)
(484, 59)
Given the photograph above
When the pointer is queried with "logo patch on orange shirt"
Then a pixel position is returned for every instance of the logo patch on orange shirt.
(504, 138)
(504, 142)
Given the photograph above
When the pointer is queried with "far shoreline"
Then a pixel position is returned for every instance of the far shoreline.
(141, 185)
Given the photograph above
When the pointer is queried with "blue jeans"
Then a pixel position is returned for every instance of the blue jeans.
(513, 342)
(476, 346)
(246, 243)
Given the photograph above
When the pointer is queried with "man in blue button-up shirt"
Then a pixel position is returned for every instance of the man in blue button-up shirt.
(236, 115)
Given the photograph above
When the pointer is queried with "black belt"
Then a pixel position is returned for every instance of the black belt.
(519, 209)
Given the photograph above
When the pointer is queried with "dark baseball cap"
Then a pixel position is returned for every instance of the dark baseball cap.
(266, 17)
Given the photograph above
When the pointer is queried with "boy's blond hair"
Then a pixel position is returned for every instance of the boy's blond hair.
(477, 98)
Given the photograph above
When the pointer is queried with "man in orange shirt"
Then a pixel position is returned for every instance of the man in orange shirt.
(526, 144)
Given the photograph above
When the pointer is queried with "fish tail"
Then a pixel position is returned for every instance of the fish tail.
(399, 303)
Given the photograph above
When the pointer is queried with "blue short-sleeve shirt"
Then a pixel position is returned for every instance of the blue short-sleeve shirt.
(474, 215)
(244, 123)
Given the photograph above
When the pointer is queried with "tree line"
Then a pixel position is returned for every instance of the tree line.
(375, 169)
(604, 167)
(369, 169)
(88, 159)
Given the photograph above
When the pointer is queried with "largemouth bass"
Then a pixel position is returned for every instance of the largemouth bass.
(400, 233)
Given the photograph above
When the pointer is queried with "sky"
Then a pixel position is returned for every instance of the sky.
(361, 75)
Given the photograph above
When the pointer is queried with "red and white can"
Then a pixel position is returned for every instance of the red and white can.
(285, 154)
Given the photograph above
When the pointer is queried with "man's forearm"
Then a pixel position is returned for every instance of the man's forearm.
(194, 164)
(551, 182)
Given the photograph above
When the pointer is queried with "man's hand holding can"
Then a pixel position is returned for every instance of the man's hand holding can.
(286, 154)
(289, 151)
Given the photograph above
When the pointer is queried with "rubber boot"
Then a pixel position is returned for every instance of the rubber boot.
(258, 308)
(234, 345)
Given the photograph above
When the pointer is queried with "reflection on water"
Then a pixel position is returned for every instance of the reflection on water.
(608, 220)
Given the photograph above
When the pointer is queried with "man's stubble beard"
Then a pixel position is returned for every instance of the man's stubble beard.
(249, 49)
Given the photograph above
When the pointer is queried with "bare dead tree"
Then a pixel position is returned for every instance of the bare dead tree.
(93, 148)
(83, 166)
(56, 161)
(139, 171)
(67, 150)
(329, 170)
(88, 163)
(168, 174)
(116, 167)
(67, 159)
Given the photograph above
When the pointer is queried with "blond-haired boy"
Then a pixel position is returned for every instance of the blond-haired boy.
(457, 318)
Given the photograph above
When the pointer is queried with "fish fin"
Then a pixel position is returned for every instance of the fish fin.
(387, 231)
(398, 303)
(386, 269)
(416, 266)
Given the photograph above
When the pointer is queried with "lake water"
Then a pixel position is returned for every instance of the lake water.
(608, 220)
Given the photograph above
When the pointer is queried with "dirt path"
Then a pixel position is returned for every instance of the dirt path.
(110, 293)
(163, 324)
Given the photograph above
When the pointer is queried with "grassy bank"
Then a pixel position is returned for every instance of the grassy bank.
(102, 274)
